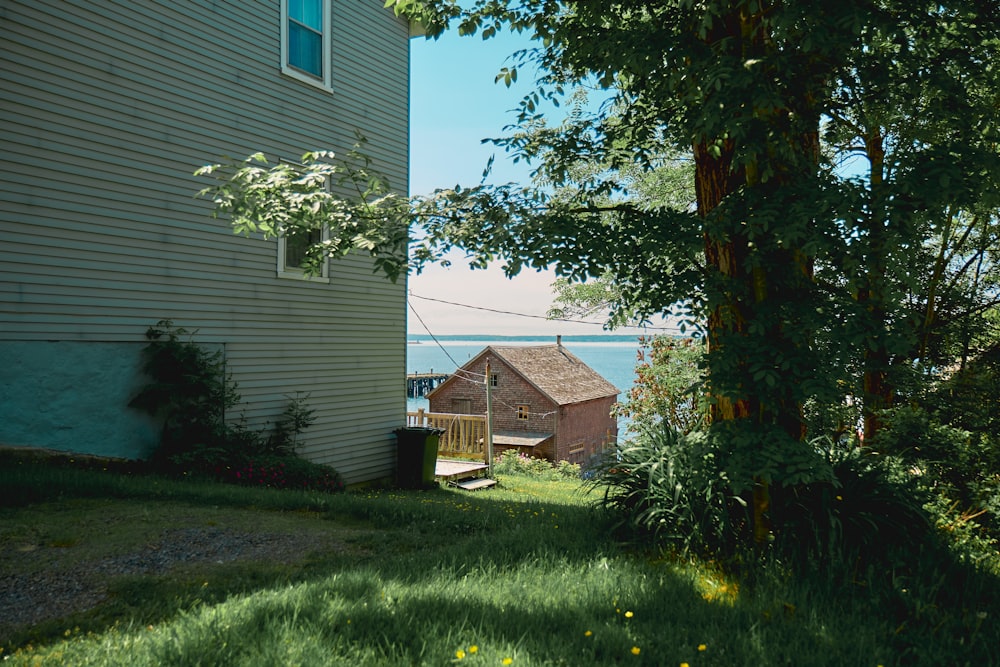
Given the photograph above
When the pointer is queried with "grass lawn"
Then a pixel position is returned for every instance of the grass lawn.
(523, 574)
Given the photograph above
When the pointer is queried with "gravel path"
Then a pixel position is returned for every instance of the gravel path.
(28, 599)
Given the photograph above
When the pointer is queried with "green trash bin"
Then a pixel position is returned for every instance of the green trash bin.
(416, 456)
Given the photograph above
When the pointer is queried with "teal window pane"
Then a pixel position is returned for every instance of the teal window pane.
(307, 12)
(305, 49)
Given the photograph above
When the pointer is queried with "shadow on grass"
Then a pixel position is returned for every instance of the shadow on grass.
(515, 577)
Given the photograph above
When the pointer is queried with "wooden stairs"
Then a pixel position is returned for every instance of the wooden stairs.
(466, 475)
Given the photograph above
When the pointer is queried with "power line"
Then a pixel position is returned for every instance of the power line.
(537, 317)
(462, 374)
(433, 337)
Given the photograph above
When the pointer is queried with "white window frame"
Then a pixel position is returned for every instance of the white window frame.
(296, 273)
(324, 81)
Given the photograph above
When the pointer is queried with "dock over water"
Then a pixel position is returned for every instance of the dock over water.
(419, 385)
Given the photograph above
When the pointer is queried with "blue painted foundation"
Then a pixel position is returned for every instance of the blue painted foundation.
(73, 397)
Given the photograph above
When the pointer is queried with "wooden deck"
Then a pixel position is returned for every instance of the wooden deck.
(464, 438)
(451, 469)
(468, 475)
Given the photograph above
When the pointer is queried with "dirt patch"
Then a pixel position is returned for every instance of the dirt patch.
(43, 579)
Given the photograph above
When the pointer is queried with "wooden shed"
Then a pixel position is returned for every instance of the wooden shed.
(546, 402)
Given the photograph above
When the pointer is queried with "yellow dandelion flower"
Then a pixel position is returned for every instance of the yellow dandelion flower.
(587, 633)
(629, 614)
(684, 664)
(506, 661)
(459, 654)
(473, 649)
(635, 650)
(702, 647)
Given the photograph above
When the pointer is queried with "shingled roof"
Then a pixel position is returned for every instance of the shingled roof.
(556, 372)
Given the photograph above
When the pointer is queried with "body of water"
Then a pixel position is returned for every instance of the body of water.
(613, 357)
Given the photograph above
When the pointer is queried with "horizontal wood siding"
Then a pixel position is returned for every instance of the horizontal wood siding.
(107, 110)
(586, 429)
(511, 391)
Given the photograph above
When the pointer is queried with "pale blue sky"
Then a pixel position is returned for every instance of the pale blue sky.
(454, 104)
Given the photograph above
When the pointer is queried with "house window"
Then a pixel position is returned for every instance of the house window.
(461, 406)
(305, 40)
(494, 380)
(523, 412)
(293, 249)
(292, 254)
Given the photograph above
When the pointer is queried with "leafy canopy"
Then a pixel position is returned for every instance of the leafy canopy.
(799, 272)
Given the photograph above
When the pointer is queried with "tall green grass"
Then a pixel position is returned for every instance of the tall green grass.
(524, 574)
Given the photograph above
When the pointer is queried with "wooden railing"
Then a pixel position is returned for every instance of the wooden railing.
(464, 435)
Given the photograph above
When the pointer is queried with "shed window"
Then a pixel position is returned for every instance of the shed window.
(523, 412)
(305, 40)
(494, 380)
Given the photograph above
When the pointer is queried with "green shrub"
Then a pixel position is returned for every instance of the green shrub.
(675, 489)
(914, 435)
(965, 535)
(671, 486)
(189, 393)
(960, 471)
(281, 472)
(969, 398)
(871, 511)
(513, 462)
(668, 385)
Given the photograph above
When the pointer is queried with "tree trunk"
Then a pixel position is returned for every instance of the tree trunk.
(877, 394)
(714, 179)
(749, 280)
(744, 278)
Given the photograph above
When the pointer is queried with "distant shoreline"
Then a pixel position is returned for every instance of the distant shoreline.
(598, 338)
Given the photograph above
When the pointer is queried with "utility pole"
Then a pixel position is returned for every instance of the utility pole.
(489, 420)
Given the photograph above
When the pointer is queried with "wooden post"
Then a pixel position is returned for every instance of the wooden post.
(489, 422)
(420, 417)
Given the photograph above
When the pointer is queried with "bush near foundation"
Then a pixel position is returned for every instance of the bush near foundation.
(190, 392)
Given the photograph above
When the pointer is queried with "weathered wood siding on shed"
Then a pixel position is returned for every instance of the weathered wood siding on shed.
(581, 428)
(586, 429)
(108, 108)
(510, 391)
